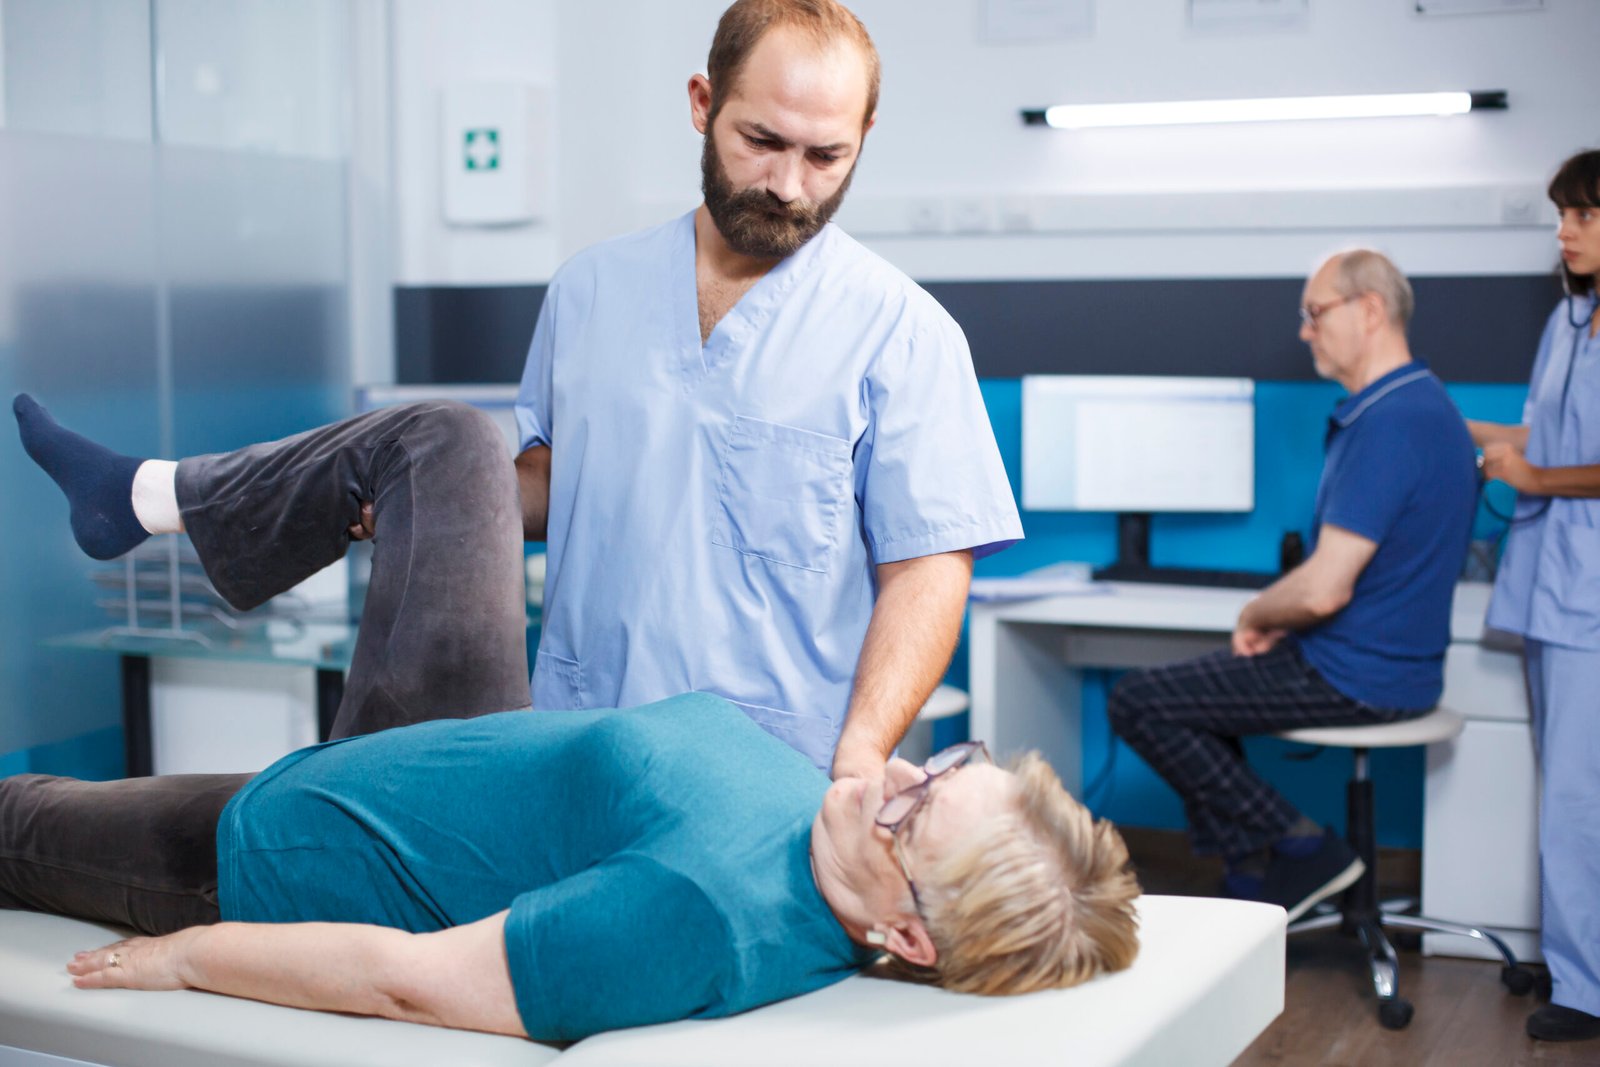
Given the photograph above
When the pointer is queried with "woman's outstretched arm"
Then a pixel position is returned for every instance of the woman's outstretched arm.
(1487, 433)
(456, 977)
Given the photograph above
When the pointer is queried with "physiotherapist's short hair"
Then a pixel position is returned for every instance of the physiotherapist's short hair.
(1577, 184)
(744, 24)
(1366, 270)
(1042, 900)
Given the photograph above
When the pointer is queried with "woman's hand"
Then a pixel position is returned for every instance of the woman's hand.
(137, 963)
(1504, 461)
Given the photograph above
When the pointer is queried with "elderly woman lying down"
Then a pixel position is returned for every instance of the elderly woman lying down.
(552, 874)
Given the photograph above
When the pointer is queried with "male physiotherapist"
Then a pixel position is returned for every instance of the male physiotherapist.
(1354, 635)
(757, 451)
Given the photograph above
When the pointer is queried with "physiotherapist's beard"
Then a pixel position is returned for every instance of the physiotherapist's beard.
(753, 221)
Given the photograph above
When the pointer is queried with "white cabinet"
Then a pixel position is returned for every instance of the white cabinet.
(221, 717)
(1480, 855)
(1480, 860)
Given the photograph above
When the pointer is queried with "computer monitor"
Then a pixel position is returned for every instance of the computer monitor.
(1135, 445)
(1113, 443)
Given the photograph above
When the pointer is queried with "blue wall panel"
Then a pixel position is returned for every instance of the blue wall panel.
(1291, 418)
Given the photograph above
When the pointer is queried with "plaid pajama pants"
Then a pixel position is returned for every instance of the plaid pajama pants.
(1186, 719)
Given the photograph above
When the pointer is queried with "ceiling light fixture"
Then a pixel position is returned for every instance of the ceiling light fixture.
(1272, 109)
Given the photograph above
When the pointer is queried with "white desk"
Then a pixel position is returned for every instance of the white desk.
(1027, 658)
(1480, 855)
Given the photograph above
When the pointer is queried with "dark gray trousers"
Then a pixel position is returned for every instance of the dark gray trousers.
(442, 635)
(1186, 719)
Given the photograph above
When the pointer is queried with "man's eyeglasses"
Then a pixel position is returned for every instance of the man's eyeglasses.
(898, 809)
(1310, 313)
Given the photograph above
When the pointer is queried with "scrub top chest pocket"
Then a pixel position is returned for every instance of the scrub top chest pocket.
(782, 493)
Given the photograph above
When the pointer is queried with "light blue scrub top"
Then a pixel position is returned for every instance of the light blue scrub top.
(1548, 585)
(716, 512)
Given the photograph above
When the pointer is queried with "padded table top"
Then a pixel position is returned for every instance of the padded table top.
(40, 1010)
(1209, 978)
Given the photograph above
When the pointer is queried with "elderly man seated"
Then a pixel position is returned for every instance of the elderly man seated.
(549, 874)
(1353, 636)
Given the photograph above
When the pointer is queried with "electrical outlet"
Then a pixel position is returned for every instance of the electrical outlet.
(925, 216)
(1017, 215)
(1520, 207)
(971, 214)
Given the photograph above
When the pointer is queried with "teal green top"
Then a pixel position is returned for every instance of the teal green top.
(655, 860)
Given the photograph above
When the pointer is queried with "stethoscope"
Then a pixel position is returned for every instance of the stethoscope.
(1578, 324)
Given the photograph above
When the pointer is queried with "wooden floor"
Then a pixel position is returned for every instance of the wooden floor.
(1464, 1016)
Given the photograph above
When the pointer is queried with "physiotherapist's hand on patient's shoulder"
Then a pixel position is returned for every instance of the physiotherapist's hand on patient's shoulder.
(1504, 461)
(857, 763)
(137, 963)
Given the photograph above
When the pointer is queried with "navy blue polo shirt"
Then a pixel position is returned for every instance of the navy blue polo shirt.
(1399, 471)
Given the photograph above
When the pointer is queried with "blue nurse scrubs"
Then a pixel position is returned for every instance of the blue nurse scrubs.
(716, 510)
(1548, 590)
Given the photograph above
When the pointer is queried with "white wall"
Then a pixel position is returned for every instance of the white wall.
(949, 135)
(436, 43)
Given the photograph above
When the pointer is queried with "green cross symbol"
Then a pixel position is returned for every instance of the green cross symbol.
(481, 149)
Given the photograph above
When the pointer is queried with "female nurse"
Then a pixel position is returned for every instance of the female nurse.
(1548, 590)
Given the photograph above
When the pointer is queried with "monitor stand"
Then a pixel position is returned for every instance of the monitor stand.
(1133, 562)
(1133, 548)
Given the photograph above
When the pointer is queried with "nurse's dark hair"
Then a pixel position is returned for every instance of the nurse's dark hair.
(1577, 184)
(823, 22)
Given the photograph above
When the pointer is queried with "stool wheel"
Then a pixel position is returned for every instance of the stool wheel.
(1395, 1014)
(1518, 979)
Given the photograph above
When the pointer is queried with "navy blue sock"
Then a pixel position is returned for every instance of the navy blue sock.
(1241, 885)
(1302, 841)
(98, 482)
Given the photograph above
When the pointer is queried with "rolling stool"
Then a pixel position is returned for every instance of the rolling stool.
(943, 702)
(1360, 912)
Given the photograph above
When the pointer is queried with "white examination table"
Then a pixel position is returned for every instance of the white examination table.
(1209, 978)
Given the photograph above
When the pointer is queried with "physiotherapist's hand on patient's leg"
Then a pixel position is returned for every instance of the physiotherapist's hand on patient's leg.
(363, 530)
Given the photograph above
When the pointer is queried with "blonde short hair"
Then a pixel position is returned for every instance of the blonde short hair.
(1044, 900)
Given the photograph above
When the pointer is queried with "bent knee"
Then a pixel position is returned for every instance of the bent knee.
(1125, 706)
(464, 425)
(461, 444)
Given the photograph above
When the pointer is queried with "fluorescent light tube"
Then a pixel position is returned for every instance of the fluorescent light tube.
(1279, 109)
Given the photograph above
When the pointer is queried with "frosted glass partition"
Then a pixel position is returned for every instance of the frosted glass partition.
(172, 295)
(267, 76)
(78, 67)
(256, 251)
(77, 327)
